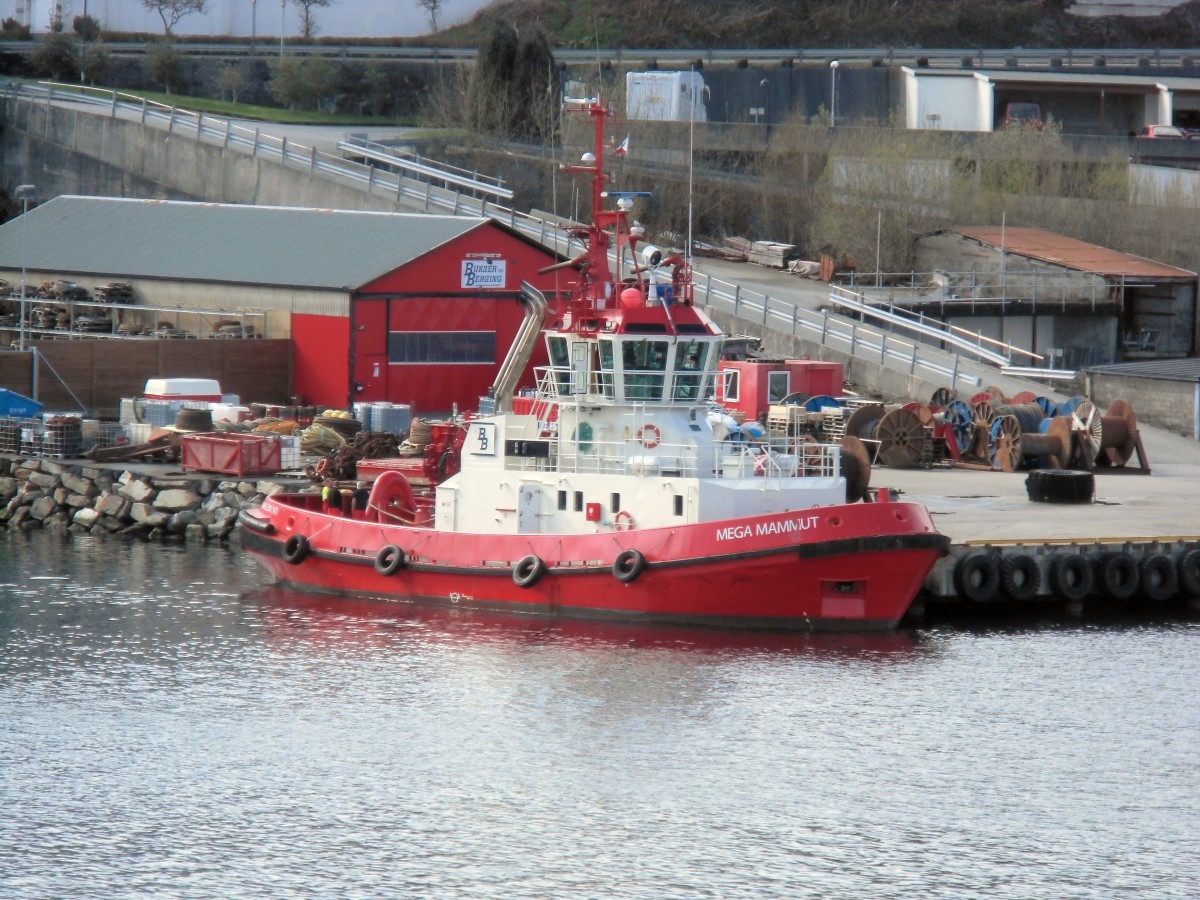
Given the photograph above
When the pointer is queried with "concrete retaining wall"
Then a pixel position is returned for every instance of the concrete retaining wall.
(1170, 405)
(67, 151)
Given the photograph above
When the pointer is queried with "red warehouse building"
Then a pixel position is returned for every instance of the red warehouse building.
(379, 306)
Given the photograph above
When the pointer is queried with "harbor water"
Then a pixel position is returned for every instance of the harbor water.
(172, 725)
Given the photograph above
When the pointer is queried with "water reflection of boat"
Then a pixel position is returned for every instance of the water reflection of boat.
(611, 494)
(348, 622)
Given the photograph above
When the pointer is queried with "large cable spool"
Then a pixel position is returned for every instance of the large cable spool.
(941, 397)
(1029, 415)
(1086, 427)
(1049, 407)
(961, 423)
(1022, 397)
(904, 440)
(1118, 435)
(856, 468)
(864, 420)
(1004, 443)
(1050, 447)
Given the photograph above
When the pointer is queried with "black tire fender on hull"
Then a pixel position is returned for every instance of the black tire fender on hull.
(389, 560)
(528, 571)
(295, 549)
(628, 565)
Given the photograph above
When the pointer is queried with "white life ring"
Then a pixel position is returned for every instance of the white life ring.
(650, 436)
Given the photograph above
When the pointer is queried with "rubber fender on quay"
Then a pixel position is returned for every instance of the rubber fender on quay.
(1071, 576)
(1159, 580)
(1020, 577)
(295, 549)
(389, 560)
(1117, 575)
(977, 577)
(628, 565)
(1188, 569)
(528, 571)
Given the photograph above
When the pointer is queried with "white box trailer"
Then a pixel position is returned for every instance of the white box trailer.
(665, 96)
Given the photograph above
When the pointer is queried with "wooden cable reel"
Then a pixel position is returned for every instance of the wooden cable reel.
(1051, 446)
(958, 417)
(1087, 428)
(904, 439)
(1118, 435)
(1004, 443)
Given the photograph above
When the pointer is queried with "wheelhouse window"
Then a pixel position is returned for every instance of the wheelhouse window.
(443, 347)
(691, 359)
(645, 363)
(560, 361)
(606, 378)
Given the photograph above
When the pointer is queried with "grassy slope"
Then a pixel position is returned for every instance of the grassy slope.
(771, 24)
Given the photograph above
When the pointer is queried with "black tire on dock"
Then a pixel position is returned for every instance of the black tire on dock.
(1071, 576)
(1159, 580)
(1020, 577)
(1188, 568)
(1060, 486)
(1117, 574)
(977, 577)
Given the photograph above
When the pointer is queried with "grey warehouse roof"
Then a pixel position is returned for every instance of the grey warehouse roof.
(1187, 369)
(262, 245)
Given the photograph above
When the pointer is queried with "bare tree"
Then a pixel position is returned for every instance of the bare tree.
(171, 11)
(433, 9)
(308, 20)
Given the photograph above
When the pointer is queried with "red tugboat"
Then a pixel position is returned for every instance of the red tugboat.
(616, 495)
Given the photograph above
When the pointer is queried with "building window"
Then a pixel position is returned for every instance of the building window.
(445, 347)
(778, 386)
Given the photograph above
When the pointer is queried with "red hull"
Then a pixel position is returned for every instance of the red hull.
(846, 567)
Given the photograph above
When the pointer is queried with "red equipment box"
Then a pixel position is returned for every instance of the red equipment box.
(230, 454)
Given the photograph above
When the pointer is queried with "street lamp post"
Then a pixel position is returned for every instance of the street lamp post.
(253, 22)
(282, 4)
(833, 67)
(24, 193)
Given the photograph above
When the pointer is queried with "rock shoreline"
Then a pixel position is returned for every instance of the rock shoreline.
(87, 499)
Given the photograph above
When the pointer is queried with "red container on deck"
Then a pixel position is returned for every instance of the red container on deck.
(230, 454)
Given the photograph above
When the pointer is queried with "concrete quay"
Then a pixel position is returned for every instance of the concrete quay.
(1134, 520)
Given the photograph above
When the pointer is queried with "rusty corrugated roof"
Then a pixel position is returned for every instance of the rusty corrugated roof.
(1060, 250)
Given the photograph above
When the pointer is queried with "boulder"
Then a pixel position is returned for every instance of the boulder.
(175, 499)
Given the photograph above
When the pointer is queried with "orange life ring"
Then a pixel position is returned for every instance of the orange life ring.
(623, 521)
(650, 436)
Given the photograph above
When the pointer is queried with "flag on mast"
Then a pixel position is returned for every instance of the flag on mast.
(623, 147)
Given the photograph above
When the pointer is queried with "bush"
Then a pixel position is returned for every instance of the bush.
(87, 28)
(55, 56)
(163, 64)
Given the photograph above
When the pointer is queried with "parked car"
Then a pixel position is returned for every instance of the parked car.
(1163, 131)
(1021, 114)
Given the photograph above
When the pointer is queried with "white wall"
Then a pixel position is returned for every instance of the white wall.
(947, 102)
